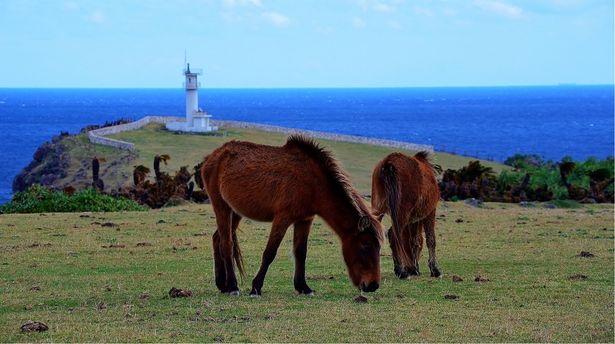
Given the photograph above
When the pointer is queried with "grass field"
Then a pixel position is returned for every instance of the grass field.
(90, 282)
(358, 159)
(106, 276)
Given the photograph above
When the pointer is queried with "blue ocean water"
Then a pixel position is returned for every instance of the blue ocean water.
(491, 122)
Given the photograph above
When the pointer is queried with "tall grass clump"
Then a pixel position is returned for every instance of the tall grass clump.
(39, 199)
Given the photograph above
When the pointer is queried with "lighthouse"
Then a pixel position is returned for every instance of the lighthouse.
(197, 120)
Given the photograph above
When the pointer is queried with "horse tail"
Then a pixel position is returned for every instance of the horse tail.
(237, 255)
(427, 157)
(388, 177)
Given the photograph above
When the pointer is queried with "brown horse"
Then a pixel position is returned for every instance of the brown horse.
(287, 185)
(405, 187)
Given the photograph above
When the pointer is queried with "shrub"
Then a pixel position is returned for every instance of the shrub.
(523, 161)
(38, 199)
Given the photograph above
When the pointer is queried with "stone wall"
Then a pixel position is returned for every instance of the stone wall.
(97, 136)
(326, 136)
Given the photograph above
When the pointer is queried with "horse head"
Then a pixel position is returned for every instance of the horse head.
(361, 251)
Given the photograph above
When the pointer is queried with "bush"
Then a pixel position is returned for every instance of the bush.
(523, 161)
(38, 199)
(533, 179)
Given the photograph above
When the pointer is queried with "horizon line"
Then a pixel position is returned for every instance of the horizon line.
(303, 87)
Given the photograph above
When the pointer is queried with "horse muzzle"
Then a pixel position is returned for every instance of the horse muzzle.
(371, 287)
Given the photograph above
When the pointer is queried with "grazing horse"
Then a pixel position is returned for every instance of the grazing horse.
(405, 187)
(287, 185)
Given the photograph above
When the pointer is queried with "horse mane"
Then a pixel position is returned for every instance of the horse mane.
(427, 157)
(333, 170)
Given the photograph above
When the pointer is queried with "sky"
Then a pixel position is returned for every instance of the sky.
(301, 43)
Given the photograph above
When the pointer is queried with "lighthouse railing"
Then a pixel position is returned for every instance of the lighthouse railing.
(198, 71)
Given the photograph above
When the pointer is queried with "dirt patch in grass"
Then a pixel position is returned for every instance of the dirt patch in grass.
(114, 246)
(481, 279)
(578, 277)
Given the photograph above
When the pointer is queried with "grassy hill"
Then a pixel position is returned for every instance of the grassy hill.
(358, 159)
(91, 282)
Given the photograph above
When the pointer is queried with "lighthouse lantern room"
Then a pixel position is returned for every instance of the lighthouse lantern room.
(197, 120)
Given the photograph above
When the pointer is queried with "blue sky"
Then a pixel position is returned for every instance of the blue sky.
(317, 43)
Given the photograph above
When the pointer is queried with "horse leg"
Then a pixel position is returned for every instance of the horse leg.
(410, 237)
(219, 268)
(224, 219)
(417, 237)
(300, 240)
(278, 229)
(430, 236)
(399, 270)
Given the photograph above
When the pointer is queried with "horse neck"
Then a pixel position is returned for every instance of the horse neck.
(338, 212)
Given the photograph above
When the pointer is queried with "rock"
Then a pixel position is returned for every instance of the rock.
(360, 299)
(35, 288)
(473, 202)
(585, 254)
(175, 201)
(34, 326)
(451, 297)
(481, 279)
(144, 243)
(527, 204)
(144, 296)
(101, 305)
(548, 205)
(175, 292)
(109, 224)
(86, 214)
(457, 279)
(459, 220)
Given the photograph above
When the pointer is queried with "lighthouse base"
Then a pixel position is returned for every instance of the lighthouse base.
(181, 126)
(199, 124)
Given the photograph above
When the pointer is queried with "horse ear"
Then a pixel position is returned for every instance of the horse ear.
(364, 223)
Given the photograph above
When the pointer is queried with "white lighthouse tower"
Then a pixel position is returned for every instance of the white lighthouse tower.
(197, 120)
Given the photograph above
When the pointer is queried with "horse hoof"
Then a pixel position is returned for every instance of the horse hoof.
(255, 296)
(413, 272)
(234, 293)
(401, 275)
(436, 274)
(255, 292)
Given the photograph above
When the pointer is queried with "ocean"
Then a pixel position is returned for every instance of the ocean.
(486, 122)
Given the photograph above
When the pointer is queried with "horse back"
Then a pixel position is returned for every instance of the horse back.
(416, 180)
(259, 181)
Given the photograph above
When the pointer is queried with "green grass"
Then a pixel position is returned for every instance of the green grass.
(527, 253)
